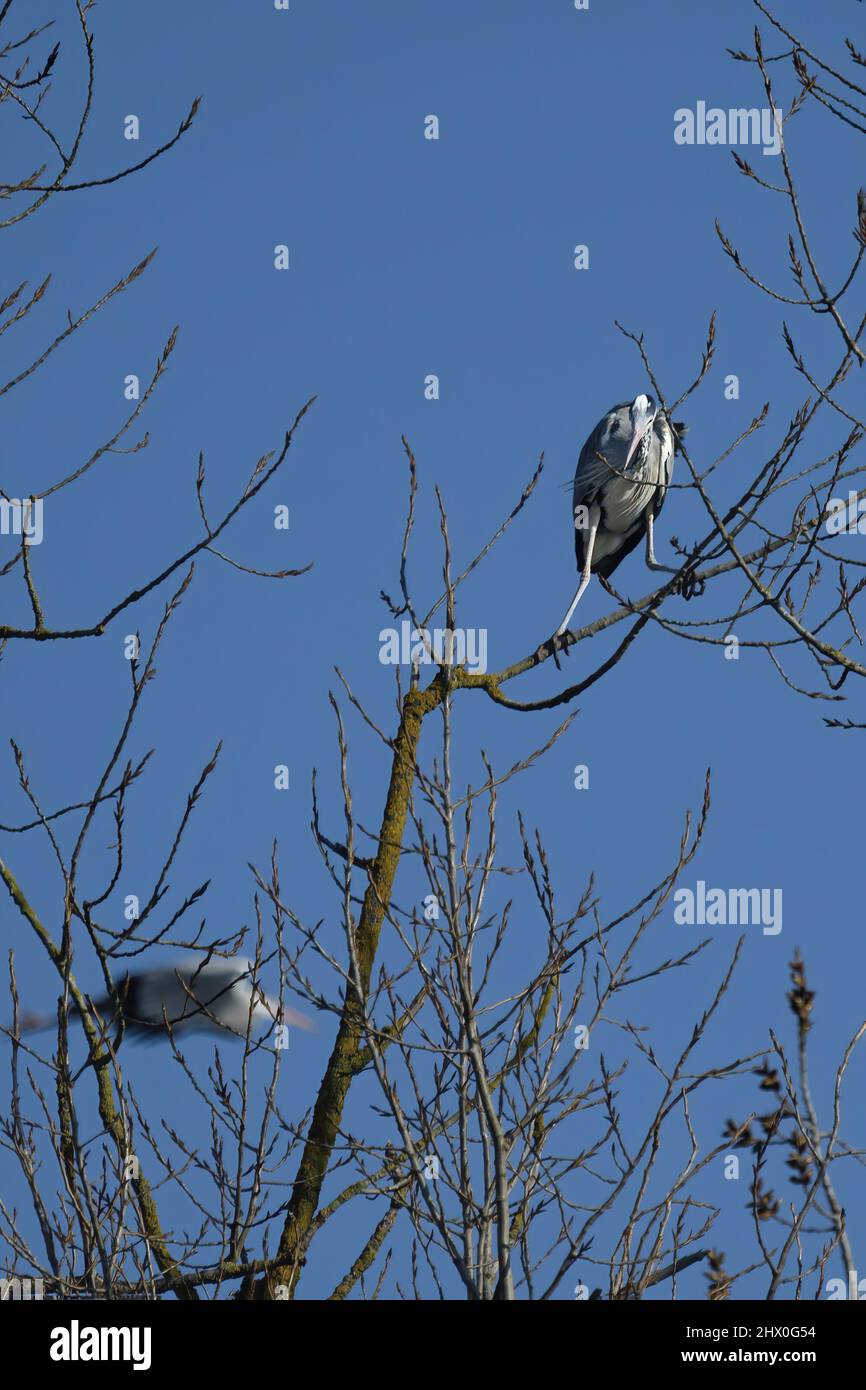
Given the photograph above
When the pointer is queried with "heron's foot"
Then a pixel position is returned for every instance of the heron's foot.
(552, 647)
(690, 585)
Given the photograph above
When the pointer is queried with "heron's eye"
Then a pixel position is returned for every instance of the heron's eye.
(614, 426)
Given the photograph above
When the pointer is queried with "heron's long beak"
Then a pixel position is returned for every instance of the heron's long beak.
(287, 1015)
(641, 422)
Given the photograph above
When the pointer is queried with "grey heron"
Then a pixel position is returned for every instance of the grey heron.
(195, 995)
(620, 483)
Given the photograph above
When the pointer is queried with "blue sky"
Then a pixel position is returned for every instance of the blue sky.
(411, 257)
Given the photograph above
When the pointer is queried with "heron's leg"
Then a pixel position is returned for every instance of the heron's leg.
(652, 562)
(594, 518)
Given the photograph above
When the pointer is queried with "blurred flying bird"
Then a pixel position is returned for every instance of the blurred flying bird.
(622, 476)
(193, 996)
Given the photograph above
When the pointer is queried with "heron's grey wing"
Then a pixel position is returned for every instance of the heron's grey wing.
(593, 472)
(667, 449)
(155, 995)
(213, 981)
(141, 998)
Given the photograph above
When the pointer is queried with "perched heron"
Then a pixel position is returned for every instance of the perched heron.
(622, 476)
(193, 996)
